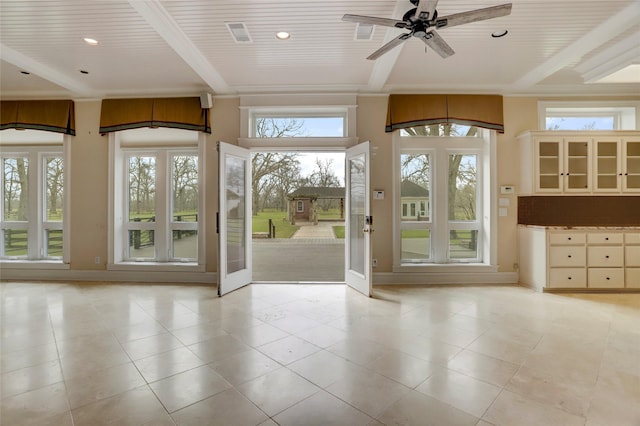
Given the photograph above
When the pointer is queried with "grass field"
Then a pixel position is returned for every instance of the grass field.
(260, 223)
(338, 231)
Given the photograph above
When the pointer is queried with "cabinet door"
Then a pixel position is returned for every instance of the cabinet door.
(607, 171)
(577, 168)
(631, 169)
(633, 278)
(548, 164)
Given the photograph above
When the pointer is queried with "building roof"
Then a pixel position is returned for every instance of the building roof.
(318, 192)
(412, 189)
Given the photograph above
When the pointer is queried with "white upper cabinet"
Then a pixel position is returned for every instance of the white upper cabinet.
(554, 162)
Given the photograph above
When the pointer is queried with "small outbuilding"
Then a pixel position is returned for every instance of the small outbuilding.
(303, 202)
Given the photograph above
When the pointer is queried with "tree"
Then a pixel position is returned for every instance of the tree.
(55, 175)
(142, 181)
(323, 174)
(185, 183)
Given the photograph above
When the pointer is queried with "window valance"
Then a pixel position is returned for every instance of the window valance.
(405, 111)
(48, 115)
(177, 113)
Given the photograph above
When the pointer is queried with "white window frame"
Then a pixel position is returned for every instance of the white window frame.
(164, 143)
(626, 114)
(37, 146)
(439, 149)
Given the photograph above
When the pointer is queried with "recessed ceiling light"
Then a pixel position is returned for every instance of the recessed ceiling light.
(500, 33)
(25, 72)
(283, 35)
(90, 41)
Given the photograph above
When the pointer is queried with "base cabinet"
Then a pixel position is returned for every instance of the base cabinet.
(553, 258)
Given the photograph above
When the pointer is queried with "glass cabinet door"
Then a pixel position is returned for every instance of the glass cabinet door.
(576, 171)
(631, 169)
(607, 165)
(548, 166)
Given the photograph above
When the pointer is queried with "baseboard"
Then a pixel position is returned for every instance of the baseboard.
(390, 278)
(120, 276)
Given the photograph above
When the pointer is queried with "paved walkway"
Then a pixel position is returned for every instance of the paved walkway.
(310, 231)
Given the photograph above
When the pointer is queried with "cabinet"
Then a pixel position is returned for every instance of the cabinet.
(582, 162)
(589, 258)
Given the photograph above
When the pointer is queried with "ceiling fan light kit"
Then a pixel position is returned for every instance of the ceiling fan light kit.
(423, 20)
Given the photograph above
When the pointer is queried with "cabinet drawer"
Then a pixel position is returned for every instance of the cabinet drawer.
(567, 238)
(567, 256)
(633, 278)
(632, 238)
(604, 238)
(632, 256)
(606, 277)
(567, 278)
(605, 256)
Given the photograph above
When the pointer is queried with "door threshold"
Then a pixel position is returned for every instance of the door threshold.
(301, 282)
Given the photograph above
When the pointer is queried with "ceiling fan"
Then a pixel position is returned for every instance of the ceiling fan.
(422, 20)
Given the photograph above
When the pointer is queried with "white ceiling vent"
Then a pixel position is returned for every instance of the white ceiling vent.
(239, 32)
(364, 31)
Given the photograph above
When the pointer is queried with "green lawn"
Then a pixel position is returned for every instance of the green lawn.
(338, 231)
(284, 229)
(329, 214)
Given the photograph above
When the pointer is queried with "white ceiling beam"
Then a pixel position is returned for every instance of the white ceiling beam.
(164, 24)
(618, 56)
(607, 30)
(385, 63)
(29, 64)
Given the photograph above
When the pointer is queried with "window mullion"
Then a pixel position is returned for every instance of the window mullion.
(163, 206)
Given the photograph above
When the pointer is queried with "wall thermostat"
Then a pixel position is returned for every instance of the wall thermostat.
(378, 195)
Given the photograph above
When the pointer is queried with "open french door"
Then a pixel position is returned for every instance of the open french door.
(359, 221)
(234, 217)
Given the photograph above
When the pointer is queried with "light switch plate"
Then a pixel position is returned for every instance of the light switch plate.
(378, 195)
(507, 189)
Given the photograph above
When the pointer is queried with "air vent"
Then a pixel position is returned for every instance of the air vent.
(239, 32)
(364, 32)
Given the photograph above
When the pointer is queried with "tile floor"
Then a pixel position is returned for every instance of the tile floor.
(93, 354)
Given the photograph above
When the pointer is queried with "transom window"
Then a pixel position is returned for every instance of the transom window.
(588, 115)
(302, 123)
(442, 130)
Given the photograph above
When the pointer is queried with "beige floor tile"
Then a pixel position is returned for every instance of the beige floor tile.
(512, 409)
(245, 366)
(323, 368)
(189, 387)
(131, 408)
(36, 355)
(367, 391)
(322, 409)
(403, 368)
(483, 367)
(30, 378)
(139, 331)
(260, 335)
(152, 345)
(358, 350)
(460, 391)
(288, 349)
(417, 409)
(501, 348)
(198, 333)
(322, 336)
(91, 361)
(167, 364)
(218, 348)
(36, 406)
(228, 408)
(87, 389)
(277, 390)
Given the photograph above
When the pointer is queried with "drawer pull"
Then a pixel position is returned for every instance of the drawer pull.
(569, 277)
(569, 256)
(606, 238)
(608, 278)
(569, 238)
(607, 256)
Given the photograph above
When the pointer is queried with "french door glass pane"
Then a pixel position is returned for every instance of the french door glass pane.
(415, 245)
(185, 244)
(142, 244)
(142, 188)
(53, 242)
(54, 191)
(357, 179)
(236, 219)
(15, 242)
(462, 187)
(415, 172)
(185, 188)
(463, 244)
(15, 189)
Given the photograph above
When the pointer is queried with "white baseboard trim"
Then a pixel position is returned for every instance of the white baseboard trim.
(434, 278)
(119, 276)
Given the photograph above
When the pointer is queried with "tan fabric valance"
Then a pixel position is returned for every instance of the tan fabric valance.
(177, 113)
(51, 115)
(405, 111)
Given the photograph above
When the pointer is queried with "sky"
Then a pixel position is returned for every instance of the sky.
(308, 162)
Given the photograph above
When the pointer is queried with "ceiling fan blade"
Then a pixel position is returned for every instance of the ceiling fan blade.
(387, 47)
(385, 22)
(438, 44)
(474, 16)
(425, 9)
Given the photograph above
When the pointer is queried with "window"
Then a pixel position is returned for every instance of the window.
(588, 115)
(157, 194)
(33, 199)
(440, 182)
(299, 124)
(438, 130)
(300, 208)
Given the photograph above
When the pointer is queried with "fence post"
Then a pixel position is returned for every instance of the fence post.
(274, 231)
(136, 235)
(270, 227)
